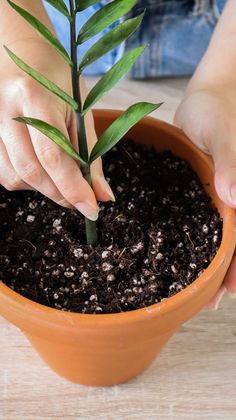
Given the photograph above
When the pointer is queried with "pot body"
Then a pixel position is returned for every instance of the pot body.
(102, 350)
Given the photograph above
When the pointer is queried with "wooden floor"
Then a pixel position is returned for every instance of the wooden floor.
(194, 378)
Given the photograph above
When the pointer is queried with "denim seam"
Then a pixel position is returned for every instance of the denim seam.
(200, 7)
(216, 10)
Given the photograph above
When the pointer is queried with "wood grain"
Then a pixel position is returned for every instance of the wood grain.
(194, 377)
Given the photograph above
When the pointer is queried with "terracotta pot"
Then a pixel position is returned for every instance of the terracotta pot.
(101, 349)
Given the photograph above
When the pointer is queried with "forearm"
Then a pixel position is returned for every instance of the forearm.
(14, 28)
(219, 62)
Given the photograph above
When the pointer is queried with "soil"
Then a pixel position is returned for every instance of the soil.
(155, 240)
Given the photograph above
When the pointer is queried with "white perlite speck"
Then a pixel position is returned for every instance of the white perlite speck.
(205, 228)
(174, 269)
(153, 288)
(20, 213)
(110, 277)
(119, 189)
(136, 248)
(98, 309)
(84, 275)
(30, 218)
(193, 265)
(56, 223)
(33, 205)
(107, 267)
(69, 274)
(175, 286)
(105, 254)
(78, 252)
(55, 273)
(47, 253)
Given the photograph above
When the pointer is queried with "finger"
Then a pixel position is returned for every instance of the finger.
(102, 189)
(8, 177)
(60, 167)
(230, 279)
(224, 155)
(25, 163)
(215, 301)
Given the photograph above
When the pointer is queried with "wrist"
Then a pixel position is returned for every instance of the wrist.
(211, 75)
(217, 67)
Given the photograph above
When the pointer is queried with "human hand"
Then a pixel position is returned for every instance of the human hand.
(208, 118)
(28, 159)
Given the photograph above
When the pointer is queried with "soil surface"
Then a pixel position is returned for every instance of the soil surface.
(156, 239)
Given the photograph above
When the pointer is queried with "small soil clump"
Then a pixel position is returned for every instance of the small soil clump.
(155, 240)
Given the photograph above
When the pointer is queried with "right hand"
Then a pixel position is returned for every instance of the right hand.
(28, 159)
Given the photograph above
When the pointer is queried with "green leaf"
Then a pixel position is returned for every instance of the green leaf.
(42, 80)
(84, 4)
(54, 134)
(104, 18)
(60, 6)
(42, 30)
(112, 77)
(120, 127)
(110, 40)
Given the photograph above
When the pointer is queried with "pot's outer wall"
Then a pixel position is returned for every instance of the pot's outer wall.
(108, 349)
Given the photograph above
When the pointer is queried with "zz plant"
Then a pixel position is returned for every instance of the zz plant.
(103, 18)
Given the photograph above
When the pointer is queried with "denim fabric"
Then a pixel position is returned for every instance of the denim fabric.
(220, 4)
(177, 33)
(61, 26)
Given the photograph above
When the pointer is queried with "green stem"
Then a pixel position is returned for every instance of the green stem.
(90, 227)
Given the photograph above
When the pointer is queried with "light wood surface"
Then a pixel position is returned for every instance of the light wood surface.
(194, 378)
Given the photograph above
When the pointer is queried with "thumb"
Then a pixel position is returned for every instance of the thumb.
(224, 156)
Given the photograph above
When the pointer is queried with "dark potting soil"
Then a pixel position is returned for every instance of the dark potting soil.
(158, 237)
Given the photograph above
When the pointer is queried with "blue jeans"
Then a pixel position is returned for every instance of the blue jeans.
(177, 33)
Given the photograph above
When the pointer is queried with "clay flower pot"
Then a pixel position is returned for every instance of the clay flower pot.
(109, 349)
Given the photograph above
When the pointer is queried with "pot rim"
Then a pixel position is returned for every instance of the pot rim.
(41, 313)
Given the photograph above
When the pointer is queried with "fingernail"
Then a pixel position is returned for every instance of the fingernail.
(107, 188)
(87, 210)
(233, 194)
(232, 295)
(217, 300)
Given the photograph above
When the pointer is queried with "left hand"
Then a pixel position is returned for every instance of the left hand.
(208, 118)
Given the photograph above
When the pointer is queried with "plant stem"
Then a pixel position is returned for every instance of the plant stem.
(90, 227)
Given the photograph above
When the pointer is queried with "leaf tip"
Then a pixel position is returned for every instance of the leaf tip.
(6, 49)
(18, 119)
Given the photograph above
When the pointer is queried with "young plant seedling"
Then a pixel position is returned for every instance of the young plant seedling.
(102, 19)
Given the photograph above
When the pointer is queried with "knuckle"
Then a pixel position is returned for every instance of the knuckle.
(233, 163)
(69, 191)
(64, 203)
(15, 183)
(24, 83)
(50, 156)
(65, 186)
(25, 86)
(30, 173)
